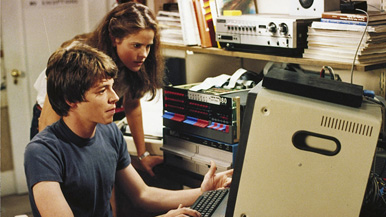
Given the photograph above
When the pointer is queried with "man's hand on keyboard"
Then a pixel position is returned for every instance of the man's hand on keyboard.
(213, 180)
(182, 211)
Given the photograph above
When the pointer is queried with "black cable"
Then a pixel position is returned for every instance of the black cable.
(374, 202)
(370, 99)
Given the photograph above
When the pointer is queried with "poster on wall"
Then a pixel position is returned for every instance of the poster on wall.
(245, 6)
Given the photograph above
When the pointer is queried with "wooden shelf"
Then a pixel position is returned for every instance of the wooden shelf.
(266, 57)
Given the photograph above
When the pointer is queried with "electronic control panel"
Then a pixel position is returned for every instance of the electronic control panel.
(264, 30)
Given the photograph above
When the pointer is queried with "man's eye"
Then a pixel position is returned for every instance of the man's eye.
(137, 45)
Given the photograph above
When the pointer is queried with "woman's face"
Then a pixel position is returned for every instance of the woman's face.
(134, 48)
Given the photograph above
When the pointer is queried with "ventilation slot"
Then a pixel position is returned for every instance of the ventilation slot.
(346, 126)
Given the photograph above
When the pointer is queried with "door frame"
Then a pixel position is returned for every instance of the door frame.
(22, 96)
(19, 118)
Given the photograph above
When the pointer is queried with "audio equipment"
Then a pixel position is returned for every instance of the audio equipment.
(277, 34)
(313, 8)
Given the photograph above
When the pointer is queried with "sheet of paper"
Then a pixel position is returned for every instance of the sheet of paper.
(217, 81)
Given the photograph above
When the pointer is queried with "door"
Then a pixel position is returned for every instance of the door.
(31, 31)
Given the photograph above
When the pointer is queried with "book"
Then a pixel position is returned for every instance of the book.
(373, 16)
(203, 28)
(347, 27)
(351, 22)
(347, 58)
(365, 49)
(189, 25)
(333, 35)
(207, 10)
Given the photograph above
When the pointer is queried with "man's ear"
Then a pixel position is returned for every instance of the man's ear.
(72, 104)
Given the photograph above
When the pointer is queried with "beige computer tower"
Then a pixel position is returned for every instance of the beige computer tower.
(306, 157)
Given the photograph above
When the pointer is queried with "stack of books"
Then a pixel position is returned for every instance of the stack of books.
(336, 38)
(170, 27)
(375, 18)
(198, 19)
(197, 22)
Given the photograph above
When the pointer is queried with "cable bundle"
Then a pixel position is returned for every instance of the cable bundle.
(374, 202)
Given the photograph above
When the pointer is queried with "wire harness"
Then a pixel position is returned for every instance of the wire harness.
(374, 202)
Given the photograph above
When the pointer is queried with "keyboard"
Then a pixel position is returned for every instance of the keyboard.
(207, 203)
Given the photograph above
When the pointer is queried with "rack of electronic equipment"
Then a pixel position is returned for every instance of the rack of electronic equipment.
(200, 126)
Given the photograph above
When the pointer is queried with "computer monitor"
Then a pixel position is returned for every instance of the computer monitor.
(300, 156)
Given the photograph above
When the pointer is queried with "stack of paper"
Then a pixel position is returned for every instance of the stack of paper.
(170, 27)
(339, 41)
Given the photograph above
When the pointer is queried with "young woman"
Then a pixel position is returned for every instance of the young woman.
(129, 35)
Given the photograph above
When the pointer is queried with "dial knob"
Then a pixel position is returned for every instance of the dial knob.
(272, 27)
(283, 29)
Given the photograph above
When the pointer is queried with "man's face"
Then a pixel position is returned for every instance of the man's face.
(134, 49)
(99, 104)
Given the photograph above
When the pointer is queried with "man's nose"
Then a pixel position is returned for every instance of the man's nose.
(113, 97)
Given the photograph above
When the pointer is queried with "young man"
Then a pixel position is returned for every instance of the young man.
(72, 165)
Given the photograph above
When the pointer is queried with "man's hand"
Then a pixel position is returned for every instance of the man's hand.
(182, 211)
(149, 162)
(213, 181)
